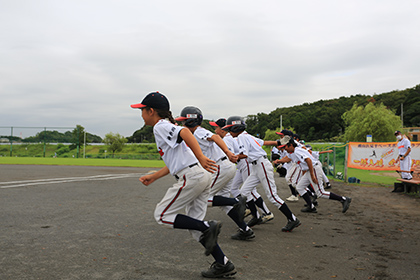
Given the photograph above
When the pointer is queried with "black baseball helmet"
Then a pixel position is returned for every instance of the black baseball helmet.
(190, 116)
(235, 124)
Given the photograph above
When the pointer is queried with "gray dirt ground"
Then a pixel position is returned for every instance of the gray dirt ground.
(103, 228)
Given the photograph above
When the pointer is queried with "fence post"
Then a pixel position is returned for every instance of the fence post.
(11, 141)
(334, 160)
(45, 136)
(345, 162)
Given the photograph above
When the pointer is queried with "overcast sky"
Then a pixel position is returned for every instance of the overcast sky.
(64, 63)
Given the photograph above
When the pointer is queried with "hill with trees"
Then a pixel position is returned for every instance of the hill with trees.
(321, 120)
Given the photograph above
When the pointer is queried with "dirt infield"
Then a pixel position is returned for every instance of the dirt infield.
(97, 223)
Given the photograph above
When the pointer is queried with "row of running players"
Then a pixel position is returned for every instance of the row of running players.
(304, 173)
(195, 187)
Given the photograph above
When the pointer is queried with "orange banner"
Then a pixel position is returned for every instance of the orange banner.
(379, 155)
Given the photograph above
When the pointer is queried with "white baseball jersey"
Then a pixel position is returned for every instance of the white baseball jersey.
(405, 164)
(176, 156)
(251, 146)
(209, 148)
(262, 170)
(403, 146)
(220, 184)
(287, 165)
(190, 193)
(274, 150)
(231, 143)
(299, 157)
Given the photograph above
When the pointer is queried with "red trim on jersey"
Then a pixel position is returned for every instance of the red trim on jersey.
(298, 176)
(270, 187)
(321, 190)
(217, 176)
(172, 202)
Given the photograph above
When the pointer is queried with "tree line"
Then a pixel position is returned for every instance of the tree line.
(53, 136)
(323, 120)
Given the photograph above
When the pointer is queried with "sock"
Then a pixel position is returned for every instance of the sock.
(333, 196)
(286, 211)
(223, 201)
(186, 222)
(260, 203)
(307, 199)
(218, 255)
(311, 189)
(293, 190)
(235, 217)
(251, 206)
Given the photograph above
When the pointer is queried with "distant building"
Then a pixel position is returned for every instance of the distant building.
(413, 133)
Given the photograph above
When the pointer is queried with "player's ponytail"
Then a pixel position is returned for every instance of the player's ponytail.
(165, 114)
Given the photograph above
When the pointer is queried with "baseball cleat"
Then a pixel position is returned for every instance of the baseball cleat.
(254, 221)
(292, 198)
(309, 210)
(291, 225)
(266, 218)
(218, 270)
(243, 235)
(209, 237)
(247, 212)
(346, 204)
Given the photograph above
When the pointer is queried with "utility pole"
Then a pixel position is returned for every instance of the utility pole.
(402, 116)
(281, 122)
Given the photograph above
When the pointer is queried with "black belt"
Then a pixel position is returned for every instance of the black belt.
(223, 158)
(190, 166)
(255, 161)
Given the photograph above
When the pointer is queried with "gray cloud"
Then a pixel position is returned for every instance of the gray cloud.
(84, 62)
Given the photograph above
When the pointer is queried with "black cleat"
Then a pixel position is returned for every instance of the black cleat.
(309, 210)
(218, 270)
(209, 237)
(328, 186)
(240, 207)
(314, 202)
(346, 204)
(254, 221)
(291, 225)
(243, 235)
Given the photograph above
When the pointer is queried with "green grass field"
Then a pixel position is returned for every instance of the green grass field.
(82, 162)
(366, 176)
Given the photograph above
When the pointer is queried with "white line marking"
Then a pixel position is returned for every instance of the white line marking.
(16, 184)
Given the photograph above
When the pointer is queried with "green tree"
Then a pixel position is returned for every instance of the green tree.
(375, 120)
(115, 141)
(143, 135)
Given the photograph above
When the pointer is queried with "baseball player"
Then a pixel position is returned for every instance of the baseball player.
(184, 160)
(404, 150)
(293, 171)
(311, 175)
(316, 154)
(261, 172)
(216, 149)
(243, 169)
